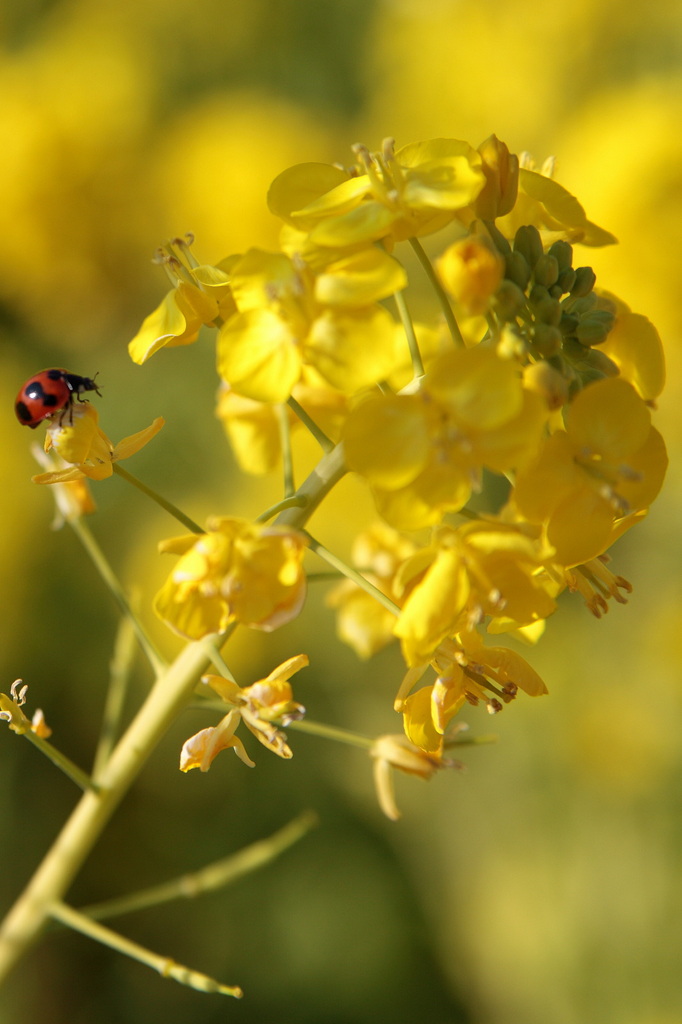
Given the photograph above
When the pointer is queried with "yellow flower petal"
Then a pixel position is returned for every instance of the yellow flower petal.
(608, 417)
(132, 444)
(360, 279)
(337, 347)
(635, 347)
(258, 356)
(297, 187)
(386, 440)
(168, 323)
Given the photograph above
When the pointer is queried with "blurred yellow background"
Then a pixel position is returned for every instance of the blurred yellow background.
(544, 884)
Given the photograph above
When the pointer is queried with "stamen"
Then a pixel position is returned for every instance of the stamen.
(18, 695)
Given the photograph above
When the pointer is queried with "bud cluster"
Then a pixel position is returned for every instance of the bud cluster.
(551, 308)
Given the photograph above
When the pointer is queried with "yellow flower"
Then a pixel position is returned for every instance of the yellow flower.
(635, 347)
(501, 170)
(471, 270)
(81, 443)
(72, 499)
(480, 569)
(397, 752)
(261, 706)
(10, 712)
(467, 671)
(427, 713)
(550, 207)
(201, 295)
(236, 571)
(361, 621)
(609, 462)
(414, 191)
(200, 750)
(254, 428)
(424, 453)
(289, 319)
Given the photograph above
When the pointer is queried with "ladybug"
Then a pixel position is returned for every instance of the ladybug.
(48, 392)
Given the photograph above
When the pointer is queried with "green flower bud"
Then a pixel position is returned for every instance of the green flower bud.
(574, 352)
(585, 280)
(527, 241)
(538, 294)
(517, 269)
(508, 301)
(546, 270)
(590, 376)
(568, 324)
(563, 254)
(546, 339)
(566, 280)
(580, 307)
(600, 362)
(548, 311)
(594, 328)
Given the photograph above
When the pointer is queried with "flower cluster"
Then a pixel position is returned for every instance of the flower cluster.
(507, 440)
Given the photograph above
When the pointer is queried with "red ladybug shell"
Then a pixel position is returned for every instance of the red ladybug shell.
(48, 392)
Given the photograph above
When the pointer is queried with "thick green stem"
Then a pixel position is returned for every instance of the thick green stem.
(315, 488)
(172, 691)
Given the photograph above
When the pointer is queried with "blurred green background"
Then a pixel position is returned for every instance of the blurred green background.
(544, 884)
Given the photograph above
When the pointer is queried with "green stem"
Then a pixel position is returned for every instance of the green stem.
(354, 575)
(324, 442)
(216, 658)
(166, 967)
(408, 327)
(119, 677)
(171, 693)
(166, 505)
(443, 300)
(61, 761)
(214, 876)
(470, 741)
(293, 502)
(82, 531)
(314, 489)
(331, 732)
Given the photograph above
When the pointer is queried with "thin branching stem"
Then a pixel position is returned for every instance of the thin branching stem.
(168, 506)
(443, 300)
(217, 875)
(84, 534)
(166, 967)
(325, 443)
